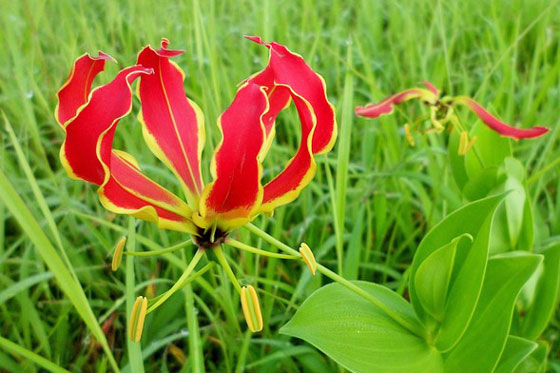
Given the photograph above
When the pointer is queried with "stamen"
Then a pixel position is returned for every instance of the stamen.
(308, 258)
(408, 136)
(137, 318)
(251, 308)
(118, 253)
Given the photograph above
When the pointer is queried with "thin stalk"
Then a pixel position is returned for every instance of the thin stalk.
(254, 250)
(229, 272)
(134, 349)
(179, 283)
(414, 328)
(171, 249)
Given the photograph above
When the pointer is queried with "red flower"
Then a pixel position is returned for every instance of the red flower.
(430, 96)
(173, 127)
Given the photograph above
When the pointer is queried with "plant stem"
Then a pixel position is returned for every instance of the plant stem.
(414, 328)
(180, 281)
(134, 349)
(162, 251)
(229, 272)
(254, 250)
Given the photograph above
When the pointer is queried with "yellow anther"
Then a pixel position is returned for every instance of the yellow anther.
(251, 308)
(408, 135)
(470, 144)
(308, 256)
(464, 144)
(118, 253)
(137, 318)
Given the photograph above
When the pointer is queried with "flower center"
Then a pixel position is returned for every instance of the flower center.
(210, 238)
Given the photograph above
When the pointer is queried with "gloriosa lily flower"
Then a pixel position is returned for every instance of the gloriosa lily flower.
(173, 127)
(442, 112)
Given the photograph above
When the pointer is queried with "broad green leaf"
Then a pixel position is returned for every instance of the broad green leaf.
(360, 336)
(536, 362)
(515, 351)
(482, 184)
(545, 297)
(433, 278)
(487, 333)
(474, 219)
(489, 150)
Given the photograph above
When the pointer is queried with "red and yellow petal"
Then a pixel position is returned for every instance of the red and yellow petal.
(173, 125)
(75, 91)
(236, 192)
(387, 105)
(497, 125)
(288, 73)
(87, 154)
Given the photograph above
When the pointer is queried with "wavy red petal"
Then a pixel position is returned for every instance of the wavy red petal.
(75, 90)
(87, 154)
(499, 126)
(288, 75)
(173, 125)
(232, 198)
(387, 105)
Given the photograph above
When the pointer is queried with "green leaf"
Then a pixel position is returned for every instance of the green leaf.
(545, 297)
(360, 336)
(18, 350)
(536, 362)
(489, 150)
(487, 333)
(517, 349)
(64, 277)
(433, 278)
(474, 219)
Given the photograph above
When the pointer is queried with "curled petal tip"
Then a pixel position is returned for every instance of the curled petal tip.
(255, 39)
(102, 56)
(430, 87)
(164, 52)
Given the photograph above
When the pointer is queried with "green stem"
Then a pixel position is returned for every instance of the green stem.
(162, 251)
(254, 250)
(188, 280)
(537, 175)
(180, 282)
(229, 272)
(414, 328)
(134, 349)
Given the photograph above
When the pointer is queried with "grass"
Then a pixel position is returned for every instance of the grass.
(371, 202)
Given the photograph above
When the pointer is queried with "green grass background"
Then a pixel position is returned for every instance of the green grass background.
(371, 202)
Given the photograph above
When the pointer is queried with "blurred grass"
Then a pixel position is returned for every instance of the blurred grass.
(382, 196)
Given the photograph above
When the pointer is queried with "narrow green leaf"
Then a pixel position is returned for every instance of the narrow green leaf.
(487, 333)
(16, 349)
(360, 336)
(516, 350)
(66, 281)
